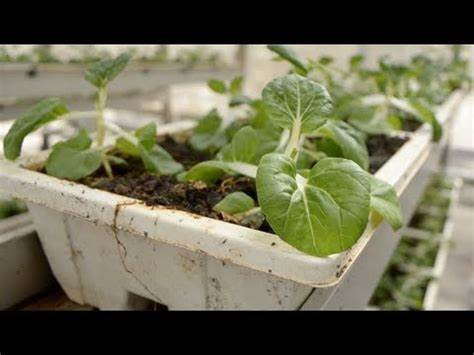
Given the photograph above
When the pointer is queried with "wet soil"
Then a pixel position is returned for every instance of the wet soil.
(195, 197)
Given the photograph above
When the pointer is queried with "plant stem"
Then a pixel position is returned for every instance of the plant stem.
(285, 135)
(292, 147)
(100, 106)
(249, 212)
(107, 167)
(117, 130)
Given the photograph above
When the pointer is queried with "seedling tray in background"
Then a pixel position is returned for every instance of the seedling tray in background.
(428, 270)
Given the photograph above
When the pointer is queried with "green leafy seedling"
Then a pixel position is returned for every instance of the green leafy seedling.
(79, 156)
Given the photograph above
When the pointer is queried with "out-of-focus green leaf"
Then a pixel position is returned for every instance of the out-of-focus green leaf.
(217, 86)
(44, 112)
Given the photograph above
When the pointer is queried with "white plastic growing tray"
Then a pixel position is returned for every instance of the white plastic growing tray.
(114, 252)
(24, 270)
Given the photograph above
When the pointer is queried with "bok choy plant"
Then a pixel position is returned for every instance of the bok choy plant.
(79, 156)
(320, 208)
(377, 101)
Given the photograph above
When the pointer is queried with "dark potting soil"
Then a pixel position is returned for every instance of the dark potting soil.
(381, 148)
(164, 190)
(182, 152)
(195, 197)
(410, 125)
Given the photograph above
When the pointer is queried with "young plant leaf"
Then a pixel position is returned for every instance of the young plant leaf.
(208, 171)
(235, 86)
(103, 72)
(370, 119)
(352, 146)
(127, 147)
(372, 126)
(243, 147)
(239, 156)
(116, 160)
(209, 124)
(240, 99)
(235, 203)
(414, 107)
(293, 100)
(321, 215)
(384, 201)
(208, 133)
(259, 118)
(73, 159)
(290, 56)
(146, 136)
(355, 62)
(426, 115)
(42, 113)
(217, 86)
(329, 148)
(156, 159)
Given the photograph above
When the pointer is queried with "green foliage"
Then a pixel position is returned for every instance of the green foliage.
(235, 86)
(10, 207)
(209, 133)
(351, 143)
(289, 55)
(101, 73)
(154, 157)
(405, 281)
(384, 201)
(303, 141)
(235, 203)
(321, 215)
(44, 112)
(418, 85)
(73, 159)
(207, 171)
(293, 100)
(318, 205)
(426, 115)
(242, 148)
(217, 86)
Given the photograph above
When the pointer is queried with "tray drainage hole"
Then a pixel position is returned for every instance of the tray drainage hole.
(137, 302)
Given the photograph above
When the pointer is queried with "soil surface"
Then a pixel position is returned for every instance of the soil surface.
(410, 125)
(182, 152)
(381, 148)
(195, 197)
